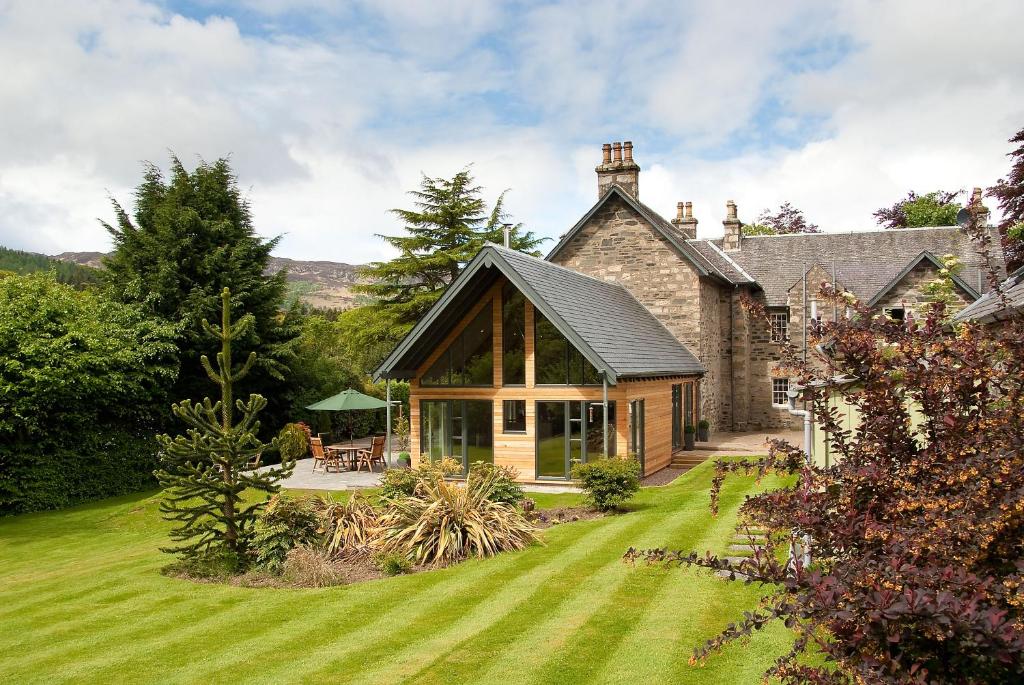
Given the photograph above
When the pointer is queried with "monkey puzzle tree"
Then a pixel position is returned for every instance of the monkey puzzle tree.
(205, 472)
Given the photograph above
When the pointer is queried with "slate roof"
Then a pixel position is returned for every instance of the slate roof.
(866, 262)
(603, 320)
(990, 307)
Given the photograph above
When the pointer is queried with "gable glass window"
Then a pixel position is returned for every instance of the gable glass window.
(469, 360)
(780, 325)
(460, 429)
(513, 416)
(513, 336)
(780, 391)
(556, 361)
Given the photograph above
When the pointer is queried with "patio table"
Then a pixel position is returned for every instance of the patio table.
(350, 449)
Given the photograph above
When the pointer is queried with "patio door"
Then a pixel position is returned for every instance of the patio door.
(568, 433)
(636, 432)
(460, 429)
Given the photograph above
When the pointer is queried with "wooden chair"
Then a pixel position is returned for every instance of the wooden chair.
(372, 455)
(316, 446)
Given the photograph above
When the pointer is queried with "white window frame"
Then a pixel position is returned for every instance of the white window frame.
(779, 333)
(780, 388)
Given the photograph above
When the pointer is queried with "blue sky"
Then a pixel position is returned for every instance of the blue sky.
(331, 111)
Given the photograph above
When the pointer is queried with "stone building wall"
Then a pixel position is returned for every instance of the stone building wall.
(617, 244)
(909, 291)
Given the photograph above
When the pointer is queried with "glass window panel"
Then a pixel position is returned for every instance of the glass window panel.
(478, 350)
(514, 416)
(590, 375)
(434, 429)
(551, 439)
(479, 427)
(595, 426)
(550, 356)
(576, 419)
(513, 332)
(438, 374)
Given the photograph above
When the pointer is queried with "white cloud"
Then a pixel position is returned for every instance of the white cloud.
(839, 109)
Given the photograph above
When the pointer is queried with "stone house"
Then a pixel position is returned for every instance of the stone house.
(632, 329)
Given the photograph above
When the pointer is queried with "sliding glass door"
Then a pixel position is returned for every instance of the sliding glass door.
(570, 432)
(460, 429)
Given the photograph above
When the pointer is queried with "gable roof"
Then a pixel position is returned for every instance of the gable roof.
(664, 228)
(866, 262)
(923, 257)
(990, 307)
(609, 327)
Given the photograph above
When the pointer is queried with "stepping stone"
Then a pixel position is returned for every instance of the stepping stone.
(742, 548)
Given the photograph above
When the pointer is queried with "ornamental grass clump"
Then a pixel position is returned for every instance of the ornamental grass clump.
(914, 565)
(445, 522)
(351, 528)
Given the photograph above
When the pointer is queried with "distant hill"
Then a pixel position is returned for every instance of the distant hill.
(321, 284)
(28, 262)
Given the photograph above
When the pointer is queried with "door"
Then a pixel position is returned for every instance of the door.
(677, 417)
(460, 429)
(570, 433)
(636, 432)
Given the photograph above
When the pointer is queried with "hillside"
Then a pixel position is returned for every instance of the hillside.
(321, 284)
(68, 271)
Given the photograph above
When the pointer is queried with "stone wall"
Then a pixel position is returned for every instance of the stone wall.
(909, 291)
(617, 244)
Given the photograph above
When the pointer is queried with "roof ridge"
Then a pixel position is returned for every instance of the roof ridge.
(826, 233)
(502, 248)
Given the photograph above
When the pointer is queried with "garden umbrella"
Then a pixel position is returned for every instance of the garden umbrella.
(348, 400)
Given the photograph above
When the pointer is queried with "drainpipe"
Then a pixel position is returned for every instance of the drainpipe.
(387, 394)
(604, 434)
(792, 394)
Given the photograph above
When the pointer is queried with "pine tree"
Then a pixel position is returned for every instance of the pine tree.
(444, 231)
(205, 472)
(1009, 192)
(192, 235)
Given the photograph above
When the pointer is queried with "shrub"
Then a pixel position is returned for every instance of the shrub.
(351, 528)
(397, 483)
(608, 483)
(214, 563)
(392, 563)
(401, 432)
(505, 488)
(285, 523)
(445, 522)
(405, 459)
(308, 567)
(293, 442)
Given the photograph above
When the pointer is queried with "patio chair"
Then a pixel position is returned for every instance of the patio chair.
(373, 455)
(319, 456)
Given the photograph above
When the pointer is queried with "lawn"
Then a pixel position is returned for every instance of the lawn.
(82, 599)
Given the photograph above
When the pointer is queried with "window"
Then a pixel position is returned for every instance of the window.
(780, 391)
(461, 429)
(557, 362)
(636, 433)
(469, 360)
(513, 336)
(780, 325)
(513, 416)
(895, 313)
(571, 432)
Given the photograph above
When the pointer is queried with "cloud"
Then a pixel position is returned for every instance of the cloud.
(331, 112)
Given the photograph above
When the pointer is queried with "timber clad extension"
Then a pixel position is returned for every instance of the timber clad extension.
(634, 308)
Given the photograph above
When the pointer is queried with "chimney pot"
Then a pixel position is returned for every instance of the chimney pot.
(684, 220)
(627, 148)
(617, 149)
(614, 171)
(689, 210)
(679, 210)
(606, 153)
(733, 228)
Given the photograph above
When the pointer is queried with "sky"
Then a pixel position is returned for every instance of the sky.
(331, 112)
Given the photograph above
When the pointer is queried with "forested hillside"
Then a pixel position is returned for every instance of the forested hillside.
(28, 262)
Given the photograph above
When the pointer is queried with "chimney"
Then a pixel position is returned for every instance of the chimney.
(733, 226)
(976, 205)
(684, 220)
(617, 167)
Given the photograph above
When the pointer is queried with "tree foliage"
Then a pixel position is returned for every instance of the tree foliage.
(82, 382)
(917, 559)
(937, 208)
(446, 228)
(1009, 192)
(787, 219)
(205, 472)
(191, 236)
(18, 262)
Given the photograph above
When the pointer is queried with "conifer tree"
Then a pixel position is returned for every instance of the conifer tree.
(205, 472)
(444, 231)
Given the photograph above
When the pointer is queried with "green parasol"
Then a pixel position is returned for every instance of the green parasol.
(348, 400)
